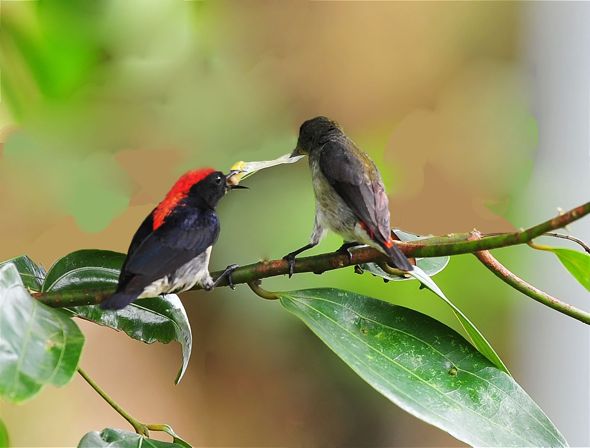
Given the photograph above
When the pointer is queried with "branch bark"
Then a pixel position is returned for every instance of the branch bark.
(534, 293)
(452, 244)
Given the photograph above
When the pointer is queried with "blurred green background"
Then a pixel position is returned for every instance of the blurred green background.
(105, 103)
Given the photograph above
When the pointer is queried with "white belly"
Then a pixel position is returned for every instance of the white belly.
(184, 278)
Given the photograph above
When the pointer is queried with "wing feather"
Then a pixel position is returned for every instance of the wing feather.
(356, 179)
(170, 246)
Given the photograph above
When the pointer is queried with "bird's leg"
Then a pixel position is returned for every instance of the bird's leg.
(226, 273)
(290, 257)
(319, 231)
(345, 249)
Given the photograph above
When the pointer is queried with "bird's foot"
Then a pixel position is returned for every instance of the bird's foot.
(345, 249)
(227, 273)
(291, 262)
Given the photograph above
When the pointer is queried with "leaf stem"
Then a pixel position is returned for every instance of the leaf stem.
(261, 292)
(139, 427)
(571, 238)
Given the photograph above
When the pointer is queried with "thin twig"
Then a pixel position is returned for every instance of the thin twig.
(571, 238)
(526, 288)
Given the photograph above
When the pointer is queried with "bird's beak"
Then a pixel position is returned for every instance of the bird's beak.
(297, 152)
(232, 180)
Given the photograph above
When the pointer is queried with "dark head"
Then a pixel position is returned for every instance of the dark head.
(210, 188)
(204, 187)
(314, 133)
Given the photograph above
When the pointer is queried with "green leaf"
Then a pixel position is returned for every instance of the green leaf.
(159, 319)
(425, 368)
(117, 438)
(431, 265)
(85, 269)
(4, 440)
(31, 273)
(475, 335)
(38, 345)
(577, 263)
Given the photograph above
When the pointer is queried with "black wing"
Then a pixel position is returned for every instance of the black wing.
(355, 178)
(144, 230)
(161, 252)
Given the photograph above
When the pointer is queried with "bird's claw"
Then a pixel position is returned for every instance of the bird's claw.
(345, 249)
(226, 273)
(230, 270)
(349, 255)
(291, 262)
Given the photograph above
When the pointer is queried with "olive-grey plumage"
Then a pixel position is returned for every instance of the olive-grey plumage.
(349, 191)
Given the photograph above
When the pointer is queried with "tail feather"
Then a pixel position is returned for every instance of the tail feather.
(118, 300)
(397, 258)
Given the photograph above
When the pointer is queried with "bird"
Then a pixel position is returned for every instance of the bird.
(349, 192)
(170, 250)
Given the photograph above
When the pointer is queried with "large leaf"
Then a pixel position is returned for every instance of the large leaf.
(85, 269)
(425, 368)
(117, 438)
(31, 273)
(159, 319)
(423, 277)
(431, 265)
(4, 441)
(38, 345)
(474, 334)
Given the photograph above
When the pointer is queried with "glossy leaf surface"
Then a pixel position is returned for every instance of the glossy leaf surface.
(31, 273)
(39, 345)
(117, 438)
(85, 269)
(472, 331)
(577, 263)
(424, 367)
(158, 319)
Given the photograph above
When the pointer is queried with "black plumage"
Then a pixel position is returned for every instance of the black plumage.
(170, 250)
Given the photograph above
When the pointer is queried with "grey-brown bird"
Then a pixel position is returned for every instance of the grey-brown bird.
(350, 196)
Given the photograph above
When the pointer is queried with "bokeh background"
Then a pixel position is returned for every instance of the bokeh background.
(476, 113)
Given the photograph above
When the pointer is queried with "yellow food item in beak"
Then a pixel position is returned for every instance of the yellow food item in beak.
(240, 170)
(236, 173)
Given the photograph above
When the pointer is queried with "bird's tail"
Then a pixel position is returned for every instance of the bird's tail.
(397, 259)
(118, 300)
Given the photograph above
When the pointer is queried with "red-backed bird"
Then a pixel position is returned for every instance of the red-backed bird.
(350, 196)
(170, 251)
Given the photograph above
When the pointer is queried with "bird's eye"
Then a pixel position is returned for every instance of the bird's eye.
(218, 179)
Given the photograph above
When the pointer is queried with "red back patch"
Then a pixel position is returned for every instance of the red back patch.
(177, 193)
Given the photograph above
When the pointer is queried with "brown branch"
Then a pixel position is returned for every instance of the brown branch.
(526, 288)
(453, 244)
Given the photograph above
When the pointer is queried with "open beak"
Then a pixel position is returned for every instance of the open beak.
(232, 180)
